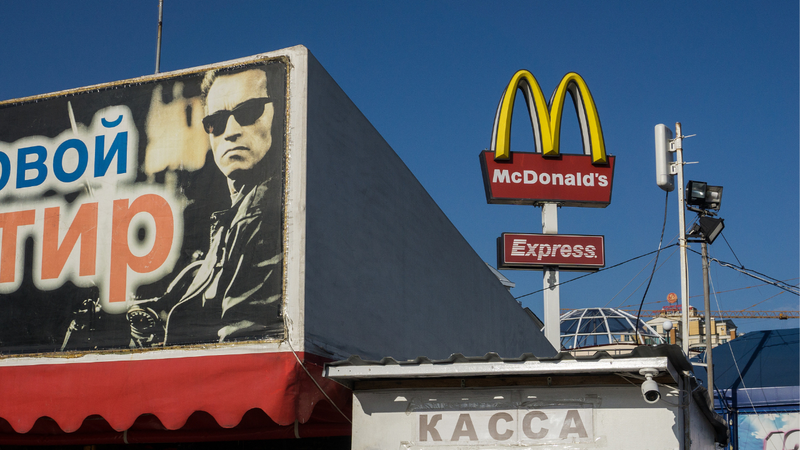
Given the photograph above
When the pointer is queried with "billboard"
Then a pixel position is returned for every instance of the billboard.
(547, 175)
(145, 213)
(769, 430)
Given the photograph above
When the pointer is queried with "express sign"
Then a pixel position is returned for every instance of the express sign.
(534, 251)
(547, 175)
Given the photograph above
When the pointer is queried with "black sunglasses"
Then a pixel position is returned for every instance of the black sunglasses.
(245, 113)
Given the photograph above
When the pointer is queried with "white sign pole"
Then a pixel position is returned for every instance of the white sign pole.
(552, 301)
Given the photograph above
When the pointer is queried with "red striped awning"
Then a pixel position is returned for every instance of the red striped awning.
(197, 398)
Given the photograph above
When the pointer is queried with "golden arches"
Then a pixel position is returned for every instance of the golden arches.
(546, 116)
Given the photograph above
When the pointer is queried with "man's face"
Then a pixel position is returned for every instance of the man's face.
(238, 148)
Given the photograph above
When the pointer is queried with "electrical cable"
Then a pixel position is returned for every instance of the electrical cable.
(660, 241)
(598, 271)
(634, 277)
(762, 301)
(735, 363)
(634, 291)
(743, 288)
(766, 278)
(317, 384)
(731, 248)
(742, 265)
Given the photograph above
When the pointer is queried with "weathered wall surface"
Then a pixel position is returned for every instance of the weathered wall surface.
(555, 417)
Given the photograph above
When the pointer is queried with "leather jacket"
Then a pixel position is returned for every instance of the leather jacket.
(236, 292)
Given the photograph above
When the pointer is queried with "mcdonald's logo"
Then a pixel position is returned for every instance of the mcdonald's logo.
(547, 175)
(546, 120)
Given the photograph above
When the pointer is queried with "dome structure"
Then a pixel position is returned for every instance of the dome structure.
(591, 327)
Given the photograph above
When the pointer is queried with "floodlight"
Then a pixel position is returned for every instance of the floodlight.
(696, 192)
(713, 197)
(707, 228)
(699, 193)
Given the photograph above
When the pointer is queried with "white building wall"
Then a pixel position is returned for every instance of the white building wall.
(702, 433)
(619, 418)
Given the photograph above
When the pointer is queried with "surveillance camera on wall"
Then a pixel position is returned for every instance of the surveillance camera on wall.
(650, 387)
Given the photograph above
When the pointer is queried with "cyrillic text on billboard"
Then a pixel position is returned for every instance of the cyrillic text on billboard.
(126, 222)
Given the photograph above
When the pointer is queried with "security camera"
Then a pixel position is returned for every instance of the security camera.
(650, 387)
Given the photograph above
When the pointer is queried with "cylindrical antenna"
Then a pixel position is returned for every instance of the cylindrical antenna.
(158, 40)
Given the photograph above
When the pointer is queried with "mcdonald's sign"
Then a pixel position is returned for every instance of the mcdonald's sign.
(547, 175)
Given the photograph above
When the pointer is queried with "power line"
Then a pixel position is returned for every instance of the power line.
(598, 271)
(720, 292)
(722, 314)
(731, 248)
(652, 274)
(636, 276)
(760, 276)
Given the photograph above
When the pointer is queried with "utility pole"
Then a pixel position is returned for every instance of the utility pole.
(677, 169)
(158, 39)
(707, 301)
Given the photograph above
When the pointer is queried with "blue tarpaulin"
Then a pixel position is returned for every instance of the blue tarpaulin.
(759, 369)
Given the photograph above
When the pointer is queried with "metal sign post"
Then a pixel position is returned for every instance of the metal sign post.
(552, 300)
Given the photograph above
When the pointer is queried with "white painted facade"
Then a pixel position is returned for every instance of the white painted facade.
(560, 403)
(610, 417)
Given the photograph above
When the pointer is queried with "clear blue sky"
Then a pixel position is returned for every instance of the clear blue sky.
(429, 75)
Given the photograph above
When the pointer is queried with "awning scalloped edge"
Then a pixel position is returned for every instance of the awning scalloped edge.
(226, 387)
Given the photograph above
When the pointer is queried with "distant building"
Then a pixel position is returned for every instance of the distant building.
(723, 331)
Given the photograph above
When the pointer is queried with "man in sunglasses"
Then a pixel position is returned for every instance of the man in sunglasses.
(235, 291)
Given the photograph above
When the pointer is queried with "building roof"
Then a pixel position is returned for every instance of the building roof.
(665, 358)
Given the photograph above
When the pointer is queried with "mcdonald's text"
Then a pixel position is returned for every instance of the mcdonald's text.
(531, 179)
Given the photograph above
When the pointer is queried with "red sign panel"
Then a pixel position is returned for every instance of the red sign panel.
(534, 251)
(530, 178)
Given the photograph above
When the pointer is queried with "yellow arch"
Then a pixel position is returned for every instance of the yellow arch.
(547, 129)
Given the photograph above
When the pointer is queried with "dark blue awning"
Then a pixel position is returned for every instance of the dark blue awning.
(760, 369)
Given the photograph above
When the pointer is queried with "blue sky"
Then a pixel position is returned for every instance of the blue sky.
(428, 75)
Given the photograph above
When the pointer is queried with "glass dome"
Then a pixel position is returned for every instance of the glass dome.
(590, 327)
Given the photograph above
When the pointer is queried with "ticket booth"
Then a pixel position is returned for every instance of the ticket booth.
(647, 399)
